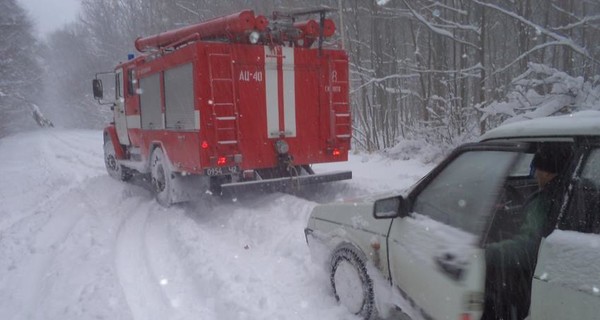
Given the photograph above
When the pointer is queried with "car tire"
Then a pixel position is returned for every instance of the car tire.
(113, 168)
(162, 177)
(351, 283)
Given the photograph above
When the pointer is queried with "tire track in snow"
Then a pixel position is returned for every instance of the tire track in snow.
(54, 170)
(168, 262)
(38, 212)
(251, 259)
(141, 286)
(80, 150)
(38, 208)
(78, 277)
(152, 267)
(38, 238)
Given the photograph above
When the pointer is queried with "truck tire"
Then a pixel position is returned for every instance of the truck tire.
(113, 168)
(162, 177)
(351, 283)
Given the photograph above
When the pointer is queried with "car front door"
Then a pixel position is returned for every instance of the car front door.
(435, 255)
(566, 282)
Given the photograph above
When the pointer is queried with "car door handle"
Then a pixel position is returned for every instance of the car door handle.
(449, 265)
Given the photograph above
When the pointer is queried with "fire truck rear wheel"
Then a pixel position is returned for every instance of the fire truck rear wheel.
(162, 177)
(113, 168)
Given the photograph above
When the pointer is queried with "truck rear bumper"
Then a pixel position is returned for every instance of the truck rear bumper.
(282, 184)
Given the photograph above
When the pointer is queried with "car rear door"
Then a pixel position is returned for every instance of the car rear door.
(435, 255)
(566, 282)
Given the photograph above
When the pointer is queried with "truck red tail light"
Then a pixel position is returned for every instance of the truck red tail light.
(204, 144)
(221, 161)
(336, 152)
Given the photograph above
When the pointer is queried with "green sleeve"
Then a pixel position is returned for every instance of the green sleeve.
(522, 248)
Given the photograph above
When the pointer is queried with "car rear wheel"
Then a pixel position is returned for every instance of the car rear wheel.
(351, 283)
(113, 168)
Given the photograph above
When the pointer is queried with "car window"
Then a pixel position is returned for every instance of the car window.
(583, 213)
(591, 170)
(522, 167)
(462, 194)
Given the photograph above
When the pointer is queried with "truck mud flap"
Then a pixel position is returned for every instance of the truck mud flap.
(283, 184)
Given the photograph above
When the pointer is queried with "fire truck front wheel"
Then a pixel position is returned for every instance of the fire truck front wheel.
(162, 177)
(113, 168)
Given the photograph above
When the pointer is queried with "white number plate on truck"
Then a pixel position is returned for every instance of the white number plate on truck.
(218, 171)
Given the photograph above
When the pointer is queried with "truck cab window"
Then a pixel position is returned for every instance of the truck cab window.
(130, 82)
(118, 85)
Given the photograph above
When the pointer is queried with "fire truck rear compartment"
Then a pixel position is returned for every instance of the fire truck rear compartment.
(236, 108)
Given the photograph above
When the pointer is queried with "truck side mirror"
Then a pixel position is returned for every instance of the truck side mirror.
(389, 208)
(97, 87)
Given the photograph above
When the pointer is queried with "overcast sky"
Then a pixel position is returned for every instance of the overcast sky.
(49, 15)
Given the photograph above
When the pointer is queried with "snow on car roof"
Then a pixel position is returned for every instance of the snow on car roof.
(584, 123)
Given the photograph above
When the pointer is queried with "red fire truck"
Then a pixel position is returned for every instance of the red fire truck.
(241, 101)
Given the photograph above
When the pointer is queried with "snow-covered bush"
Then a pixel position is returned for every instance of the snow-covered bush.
(542, 91)
(420, 150)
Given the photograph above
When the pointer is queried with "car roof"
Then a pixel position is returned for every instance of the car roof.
(584, 123)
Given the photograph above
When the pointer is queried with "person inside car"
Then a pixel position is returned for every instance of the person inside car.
(511, 262)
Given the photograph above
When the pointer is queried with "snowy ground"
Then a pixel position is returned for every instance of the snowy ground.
(76, 244)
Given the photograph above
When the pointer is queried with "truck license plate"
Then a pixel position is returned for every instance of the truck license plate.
(218, 171)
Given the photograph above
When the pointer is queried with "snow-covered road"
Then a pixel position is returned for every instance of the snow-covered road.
(76, 244)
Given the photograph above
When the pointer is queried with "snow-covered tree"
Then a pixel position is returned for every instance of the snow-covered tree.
(542, 91)
(70, 63)
(420, 69)
(19, 70)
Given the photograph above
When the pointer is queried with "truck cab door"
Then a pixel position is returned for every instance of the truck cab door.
(566, 282)
(435, 255)
(119, 108)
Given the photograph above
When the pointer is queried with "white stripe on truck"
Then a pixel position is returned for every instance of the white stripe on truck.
(271, 89)
(289, 92)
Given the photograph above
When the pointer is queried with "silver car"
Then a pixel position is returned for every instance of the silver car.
(429, 243)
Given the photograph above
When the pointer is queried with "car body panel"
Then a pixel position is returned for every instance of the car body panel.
(566, 283)
(350, 222)
(417, 246)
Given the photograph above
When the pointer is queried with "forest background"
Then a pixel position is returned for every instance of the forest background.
(441, 72)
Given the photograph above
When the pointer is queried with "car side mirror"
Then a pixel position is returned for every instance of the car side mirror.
(97, 87)
(390, 208)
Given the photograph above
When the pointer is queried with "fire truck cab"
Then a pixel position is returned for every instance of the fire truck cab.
(242, 101)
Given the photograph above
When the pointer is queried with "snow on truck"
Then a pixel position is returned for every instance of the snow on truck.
(237, 102)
